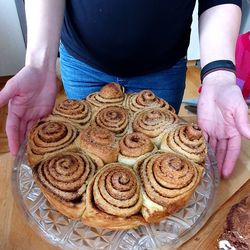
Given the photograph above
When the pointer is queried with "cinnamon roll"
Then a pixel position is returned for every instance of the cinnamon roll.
(113, 199)
(168, 181)
(79, 113)
(113, 118)
(146, 99)
(100, 144)
(153, 123)
(110, 94)
(134, 146)
(188, 141)
(49, 137)
(63, 179)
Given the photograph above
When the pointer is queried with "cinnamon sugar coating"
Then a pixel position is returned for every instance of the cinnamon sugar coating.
(100, 160)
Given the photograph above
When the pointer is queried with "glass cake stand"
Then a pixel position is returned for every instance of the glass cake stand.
(69, 234)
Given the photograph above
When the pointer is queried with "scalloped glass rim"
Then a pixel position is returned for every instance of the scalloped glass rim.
(60, 231)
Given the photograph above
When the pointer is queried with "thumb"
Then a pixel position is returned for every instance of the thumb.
(7, 92)
(241, 121)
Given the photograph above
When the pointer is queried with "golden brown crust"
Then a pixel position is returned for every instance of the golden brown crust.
(77, 112)
(133, 146)
(154, 216)
(188, 141)
(168, 181)
(113, 118)
(63, 179)
(110, 94)
(49, 137)
(72, 211)
(85, 135)
(99, 142)
(154, 122)
(113, 199)
(146, 99)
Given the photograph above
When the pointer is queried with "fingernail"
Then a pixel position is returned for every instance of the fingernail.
(226, 174)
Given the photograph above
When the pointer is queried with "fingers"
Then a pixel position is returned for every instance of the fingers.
(241, 121)
(12, 130)
(22, 130)
(205, 135)
(7, 93)
(220, 153)
(213, 143)
(30, 125)
(232, 153)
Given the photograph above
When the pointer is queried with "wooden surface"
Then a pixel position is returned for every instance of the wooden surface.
(207, 238)
(15, 233)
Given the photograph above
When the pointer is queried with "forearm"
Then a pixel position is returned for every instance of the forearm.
(218, 29)
(44, 22)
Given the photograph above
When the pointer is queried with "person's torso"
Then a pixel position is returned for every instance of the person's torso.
(128, 37)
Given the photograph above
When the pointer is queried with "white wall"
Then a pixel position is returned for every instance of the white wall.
(245, 22)
(194, 48)
(12, 48)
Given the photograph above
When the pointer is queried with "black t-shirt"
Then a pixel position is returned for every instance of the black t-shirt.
(127, 38)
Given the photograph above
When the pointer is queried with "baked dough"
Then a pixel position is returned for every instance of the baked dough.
(146, 99)
(63, 179)
(48, 137)
(133, 147)
(99, 143)
(110, 94)
(76, 112)
(168, 181)
(186, 140)
(116, 160)
(153, 122)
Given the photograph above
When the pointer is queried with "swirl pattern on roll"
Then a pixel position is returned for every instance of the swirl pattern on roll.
(113, 118)
(99, 142)
(188, 141)
(147, 99)
(66, 175)
(167, 176)
(48, 137)
(116, 190)
(78, 112)
(110, 94)
(135, 144)
(153, 122)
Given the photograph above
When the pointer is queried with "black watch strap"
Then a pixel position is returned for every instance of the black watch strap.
(217, 65)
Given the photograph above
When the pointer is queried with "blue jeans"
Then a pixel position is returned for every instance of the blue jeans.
(80, 79)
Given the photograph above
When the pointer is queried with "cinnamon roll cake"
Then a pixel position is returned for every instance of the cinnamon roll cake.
(116, 160)
(78, 113)
(49, 137)
(168, 181)
(114, 199)
(99, 143)
(63, 178)
(154, 122)
(110, 94)
(134, 146)
(146, 99)
(188, 141)
(114, 119)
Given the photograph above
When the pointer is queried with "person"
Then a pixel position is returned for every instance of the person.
(140, 44)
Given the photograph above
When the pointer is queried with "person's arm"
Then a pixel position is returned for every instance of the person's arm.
(44, 22)
(218, 31)
(31, 92)
(222, 111)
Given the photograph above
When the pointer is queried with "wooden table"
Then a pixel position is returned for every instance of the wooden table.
(15, 233)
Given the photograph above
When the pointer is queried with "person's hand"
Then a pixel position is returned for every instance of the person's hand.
(30, 95)
(223, 116)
